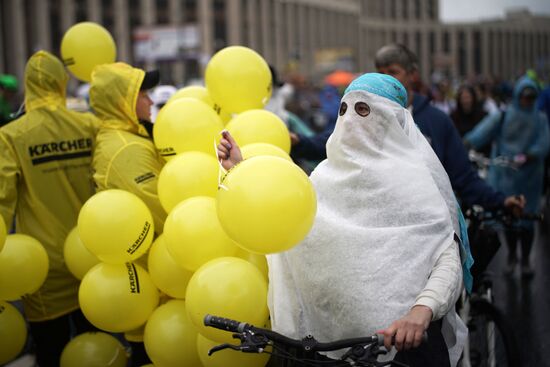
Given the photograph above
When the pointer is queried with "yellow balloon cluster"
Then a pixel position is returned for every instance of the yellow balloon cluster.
(194, 235)
(94, 349)
(77, 257)
(13, 332)
(187, 175)
(268, 205)
(170, 338)
(238, 79)
(116, 226)
(228, 287)
(185, 125)
(84, 46)
(117, 298)
(259, 126)
(23, 266)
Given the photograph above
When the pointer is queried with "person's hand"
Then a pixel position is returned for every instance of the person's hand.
(515, 204)
(229, 152)
(519, 159)
(408, 331)
(294, 139)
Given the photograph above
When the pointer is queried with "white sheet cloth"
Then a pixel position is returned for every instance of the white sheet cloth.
(386, 213)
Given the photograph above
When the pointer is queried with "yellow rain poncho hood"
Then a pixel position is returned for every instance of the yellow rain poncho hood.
(45, 177)
(45, 82)
(125, 157)
(113, 96)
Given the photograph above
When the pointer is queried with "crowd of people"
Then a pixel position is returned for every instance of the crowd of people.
(416, 140)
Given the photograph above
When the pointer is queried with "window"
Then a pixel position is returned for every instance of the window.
(80, 11)
(446, 42)
(431, 42)
(462, 54)
(163, 12)
(477, 49)
(393, 9)
(220, 30)
(432, 10)
(190, 12)
(55, 24)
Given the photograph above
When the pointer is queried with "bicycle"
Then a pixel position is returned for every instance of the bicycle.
(482, 163)
(490, 341)
(361, 352)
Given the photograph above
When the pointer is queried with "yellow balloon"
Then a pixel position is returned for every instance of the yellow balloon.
(268, 204)
(23, 266)
(193, 233)
(256, 149)
(258, 260)
(259, 126)
(187, 124)
(94, 349)
(193, 91)
(167, 275)
(187, 175)
(117, 298)
(238, 79)
(3, 233)
(13, 332)
(136, 335)
(200, 93)
(116, 226)
(84, 46)
(227, 357)
(227, 287)
(170, 337)
(77, 257)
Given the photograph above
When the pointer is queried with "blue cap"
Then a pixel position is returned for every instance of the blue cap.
(380, 84)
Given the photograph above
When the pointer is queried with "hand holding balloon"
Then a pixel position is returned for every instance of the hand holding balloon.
(229, 152)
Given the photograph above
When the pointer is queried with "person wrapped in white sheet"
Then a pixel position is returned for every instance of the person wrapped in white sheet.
(383, 253)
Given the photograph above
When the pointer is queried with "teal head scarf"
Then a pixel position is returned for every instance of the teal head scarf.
(380, 84)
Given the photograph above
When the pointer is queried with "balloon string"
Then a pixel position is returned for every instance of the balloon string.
(222, 170)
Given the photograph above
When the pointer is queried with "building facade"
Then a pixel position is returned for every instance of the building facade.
(310, 36)
(282, 31)
(500, 47)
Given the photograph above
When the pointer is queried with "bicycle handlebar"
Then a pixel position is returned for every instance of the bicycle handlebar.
(501, 215)
(225, 324)
(308, 343)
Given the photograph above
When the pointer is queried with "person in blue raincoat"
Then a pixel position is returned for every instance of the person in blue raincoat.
(521, 134)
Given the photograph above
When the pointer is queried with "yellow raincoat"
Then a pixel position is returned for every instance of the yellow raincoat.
(125, 157)
(45, 177)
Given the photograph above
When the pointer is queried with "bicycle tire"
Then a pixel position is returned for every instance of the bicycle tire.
(491, 342)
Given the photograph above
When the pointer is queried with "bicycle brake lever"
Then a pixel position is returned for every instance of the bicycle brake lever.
(217, 348)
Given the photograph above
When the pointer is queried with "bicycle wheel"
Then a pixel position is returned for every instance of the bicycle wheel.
(490, 341)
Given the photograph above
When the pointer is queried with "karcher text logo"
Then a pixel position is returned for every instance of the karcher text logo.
(133, 278)
(145, 177)
(168, 151)
(61, 150)
(139, 241)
